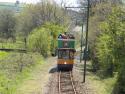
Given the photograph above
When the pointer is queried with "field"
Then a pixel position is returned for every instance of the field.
(102, 86)
(12, 45)
(15, 67)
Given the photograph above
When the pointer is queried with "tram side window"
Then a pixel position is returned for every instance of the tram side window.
(71, 54)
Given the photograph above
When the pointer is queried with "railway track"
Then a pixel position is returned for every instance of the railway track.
(66, 83)
(13, 50)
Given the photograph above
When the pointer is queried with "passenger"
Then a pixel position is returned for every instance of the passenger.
(60, 36)
(64, 36)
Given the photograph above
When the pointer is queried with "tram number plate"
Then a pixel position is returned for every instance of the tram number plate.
(65, 44)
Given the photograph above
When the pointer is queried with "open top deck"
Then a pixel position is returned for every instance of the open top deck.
(66, 41)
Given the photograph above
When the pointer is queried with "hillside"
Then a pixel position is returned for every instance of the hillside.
(12, 6)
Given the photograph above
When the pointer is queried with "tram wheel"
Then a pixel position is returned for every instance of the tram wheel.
(58, 67)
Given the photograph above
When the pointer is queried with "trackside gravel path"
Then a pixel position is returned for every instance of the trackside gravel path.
(36, 84)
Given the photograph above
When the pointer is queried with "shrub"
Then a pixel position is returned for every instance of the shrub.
(39, 41)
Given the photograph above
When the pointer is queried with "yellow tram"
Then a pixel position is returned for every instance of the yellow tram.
(66, 51)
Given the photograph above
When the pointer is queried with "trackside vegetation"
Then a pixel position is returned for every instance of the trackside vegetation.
(35, 30)
(107, 43)
(110, 47)
(39, 41)
(44, 38)
(15, 67)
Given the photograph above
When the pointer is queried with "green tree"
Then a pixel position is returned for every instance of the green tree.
(111, 46)
(108, 42)
(93, 3)
(35, 15)
(44, 39)
(98, 15)
(55, 30)
(39, 41)
(7, 23)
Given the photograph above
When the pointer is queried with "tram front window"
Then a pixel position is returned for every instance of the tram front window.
(64, 54)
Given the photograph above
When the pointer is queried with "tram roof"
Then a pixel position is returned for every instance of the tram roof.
(66, 49)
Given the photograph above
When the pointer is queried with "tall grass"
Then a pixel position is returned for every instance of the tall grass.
(10, 74)
(11, 45)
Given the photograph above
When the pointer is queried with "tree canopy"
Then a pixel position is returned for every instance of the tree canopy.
(7, 23)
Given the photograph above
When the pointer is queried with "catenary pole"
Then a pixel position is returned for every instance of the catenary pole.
(86, 39)
(81, 44)
(81, 32)
(86, 42)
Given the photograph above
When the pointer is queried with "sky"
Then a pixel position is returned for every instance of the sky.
(68, 2)
(24, 1)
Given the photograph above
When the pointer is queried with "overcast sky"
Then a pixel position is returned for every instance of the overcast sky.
(69, 2)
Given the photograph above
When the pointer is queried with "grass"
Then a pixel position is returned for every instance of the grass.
(33, 82)
(3, 54)
(10, 76)
(21, 77)
(102, 86)
(16, 45)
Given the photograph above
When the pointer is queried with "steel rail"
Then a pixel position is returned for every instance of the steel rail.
(59, 86)
(73, 86)
(71, 79)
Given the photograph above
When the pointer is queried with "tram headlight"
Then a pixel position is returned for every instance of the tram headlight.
(64, 62)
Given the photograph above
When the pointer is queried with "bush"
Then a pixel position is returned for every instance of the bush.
(39, 41)
(44, 39)
(111, 46)
(121, 79)
(55, 30)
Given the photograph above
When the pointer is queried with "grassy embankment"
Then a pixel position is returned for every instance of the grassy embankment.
(15, 45)
(96, 82)
(15, 68)
(101, 85)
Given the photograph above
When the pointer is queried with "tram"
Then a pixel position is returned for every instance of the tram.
(66, 51)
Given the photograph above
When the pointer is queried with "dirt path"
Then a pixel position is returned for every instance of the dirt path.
(81, 88)
(44, 80)
(40, 77)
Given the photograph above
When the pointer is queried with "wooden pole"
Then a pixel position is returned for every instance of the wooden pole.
(81, 45)
(86, 43)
